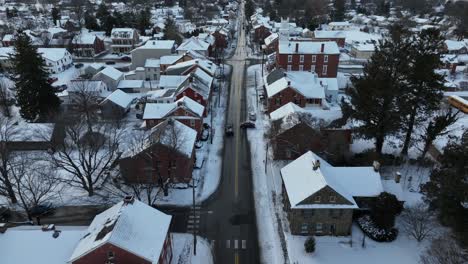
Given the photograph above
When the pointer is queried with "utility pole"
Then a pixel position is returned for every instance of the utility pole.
(194, 217)
(256, 91)
(266, 158)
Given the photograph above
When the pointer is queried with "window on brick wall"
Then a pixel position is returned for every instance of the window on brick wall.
(304, 228)
(289, 68)
(278, 101)
(289, 58)
(192, 122)
(314, 58)
(301, 58)
(325, 58)
(324, 69)
(301, 67)
(318, 227)
(312, 68)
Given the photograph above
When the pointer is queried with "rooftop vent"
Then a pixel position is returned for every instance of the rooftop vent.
(56, 233)
(48, 227)
(316, 164)
(376, 166)
(129, 199)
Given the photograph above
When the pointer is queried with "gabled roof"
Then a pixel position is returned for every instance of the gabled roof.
(184, 140)
(184, 67)
(53, 54)
(301, 181)
(162, 110)
(171, 81)
(119, 98)
(308, 47)
(134, 227)
(305, 83)
(130, 84)
(194, 43)
(111, 72)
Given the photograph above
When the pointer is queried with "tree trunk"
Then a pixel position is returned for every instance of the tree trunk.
(409, 132)
(379, 140)
(90, 190)
(11, 192)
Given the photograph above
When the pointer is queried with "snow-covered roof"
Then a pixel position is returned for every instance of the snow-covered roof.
(185, 138)
(119, 98)
(111, 72)
(329, 34)
(301, 180)
(152, 63)
(453, 45)
(339, 23)
(305, 83)
(53, 54)
(29, 244)
(285, 110)
(135, 227)
(172, 81)
(161, 110)
(194, 43)
(158, 44)
(85, 39)
(170, 59)
(181, 67)
(268, 40)
(130, 84)
(122, 32)
(308, 47)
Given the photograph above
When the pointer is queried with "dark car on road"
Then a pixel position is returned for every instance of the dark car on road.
(79, 65)
(247, 124)
(126, 58)
(42, 210)
(229, 131)
(110, 62)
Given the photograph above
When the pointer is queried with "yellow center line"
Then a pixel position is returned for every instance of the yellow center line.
(236, 258)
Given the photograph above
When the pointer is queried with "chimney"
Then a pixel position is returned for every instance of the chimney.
(297, 47)
(129, 199)
(376, 166)
(397, 177)
(56, 233)
(322, 48)
(289, 83)
(316, 164)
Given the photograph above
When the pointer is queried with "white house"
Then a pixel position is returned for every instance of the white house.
(56, 59)
(153, 49)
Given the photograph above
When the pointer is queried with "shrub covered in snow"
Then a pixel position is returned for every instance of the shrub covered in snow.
(375, 233)
(309, 244)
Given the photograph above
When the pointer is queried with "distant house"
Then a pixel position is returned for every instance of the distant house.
(35, 136)
(128, 232)
(116, 105)
(271, 43)
(221, 39)
(326, 35)
(56, 59)
(167, 154)
(185, 110)
(261, 31)
(196, 44)
(296, 131)
(87, 45)
(302, 88)
(362, 51)
(110, 76)
(345, 25)
(153, 49)
(132, 86)
(199, 88)
(124, 40)
(456, 47)
(320, 199)
(8, 40)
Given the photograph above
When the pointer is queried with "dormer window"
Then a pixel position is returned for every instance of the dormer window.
(317, 199)
(332, 199)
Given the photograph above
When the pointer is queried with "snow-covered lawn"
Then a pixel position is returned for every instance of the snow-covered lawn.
(182, 245)
(277, 245)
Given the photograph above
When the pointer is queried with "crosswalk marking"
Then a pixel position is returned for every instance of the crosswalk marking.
(236, 244)
(244, 244)
(228, 243)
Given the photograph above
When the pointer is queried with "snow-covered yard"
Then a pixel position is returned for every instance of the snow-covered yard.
(183, 250)
(277, 245)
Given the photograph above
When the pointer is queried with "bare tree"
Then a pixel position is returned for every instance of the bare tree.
(84, 97)
(5, 98)
(87, 155)
(35, 183)
(444, 250)
(8, 129)
(418, 221)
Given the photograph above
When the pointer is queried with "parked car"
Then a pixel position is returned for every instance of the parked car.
(247, 124)
(79, 65)
(42, 210)
(52, 80)
(60, 88)
(252, 116)
(229, 131)
(126, 58)
(110, 62)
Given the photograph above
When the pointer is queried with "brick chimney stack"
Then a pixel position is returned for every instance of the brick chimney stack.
(322, 48)
(297, 47)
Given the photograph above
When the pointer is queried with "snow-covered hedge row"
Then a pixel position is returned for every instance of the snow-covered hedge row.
(380, 235)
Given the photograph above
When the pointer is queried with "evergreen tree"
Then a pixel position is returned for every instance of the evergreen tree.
(384, 210)
(376, 93)
(108, 24)
(91, 22)
(102, 11)
(447, 189)
(55, 15)
(338, 10)
(144, 21)
(35, 96)
(171, 32)
(423, 86)
(249, 8)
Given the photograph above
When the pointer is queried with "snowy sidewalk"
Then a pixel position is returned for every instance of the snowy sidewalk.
(182, 245)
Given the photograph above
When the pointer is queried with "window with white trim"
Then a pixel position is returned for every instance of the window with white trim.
(314, 58)
(324, 69)
(289, 58)
(301, 58)
(301, 67)
(318, 227)
(304, 228)
(317, 199)
(312, 68)
(332, 198)
(325, 58)
(289, 68)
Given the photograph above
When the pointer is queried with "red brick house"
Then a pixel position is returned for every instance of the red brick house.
(319, 57)
(261, 32)
(184, 110)
(221, 37)
(166, 155)
(129, 232)
(299, 87)
(87, 45)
